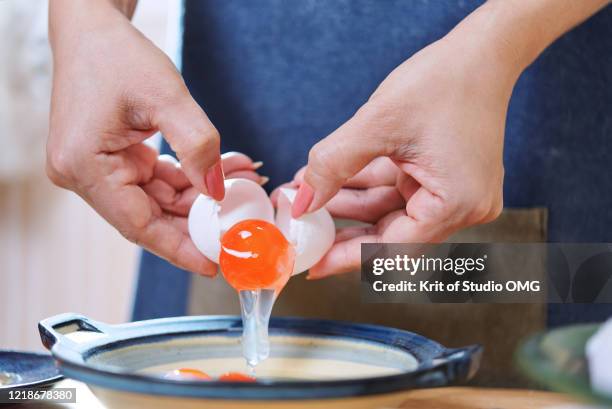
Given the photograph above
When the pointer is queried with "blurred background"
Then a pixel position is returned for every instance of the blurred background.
(56, 254)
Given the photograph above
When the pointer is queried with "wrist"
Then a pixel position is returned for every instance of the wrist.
(70, 19)
(486, 36)
(127, 7)
(479, 49)
(515, 32)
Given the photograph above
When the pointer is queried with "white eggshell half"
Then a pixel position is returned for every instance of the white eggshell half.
(312, 235)
(208, 219)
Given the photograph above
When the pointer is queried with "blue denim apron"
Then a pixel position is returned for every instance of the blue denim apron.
(275, 76)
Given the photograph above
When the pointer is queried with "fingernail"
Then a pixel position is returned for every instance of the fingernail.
(214, 182)
(257, 165)
(209, 274)
(303, 199)
(263, 180)
(310, 276)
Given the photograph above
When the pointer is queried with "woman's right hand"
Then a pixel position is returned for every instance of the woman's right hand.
(112, 89)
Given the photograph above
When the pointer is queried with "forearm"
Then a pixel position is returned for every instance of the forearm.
(68, 18)
(127, 7)
(517, 31)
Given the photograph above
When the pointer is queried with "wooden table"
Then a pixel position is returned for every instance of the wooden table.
(438, 398)
(485, 398)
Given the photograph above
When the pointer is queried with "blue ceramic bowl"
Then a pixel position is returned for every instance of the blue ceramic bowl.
(20, 369)
(322, 362)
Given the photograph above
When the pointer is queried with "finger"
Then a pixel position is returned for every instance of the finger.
(141, 158)
(176, 247)
(248, 174)
(169, 170)
(195, 140)
(235, 165)
(367, 205)
(118, 198)
(407, 230)
(381, 171)
(299, 175)
(348, 233)
(345, 254)
(163, 194)
(234, 161)
(407, 186)
(343, 257)
(426, 219)
(139, 218)
(184, 200)
(337, 158)
(169, 199)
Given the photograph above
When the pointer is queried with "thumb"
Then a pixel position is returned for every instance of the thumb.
(338, 157)
(196, 142)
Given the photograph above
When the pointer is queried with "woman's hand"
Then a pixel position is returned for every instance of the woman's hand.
(436, 123)
(422, 158)
(112, 89)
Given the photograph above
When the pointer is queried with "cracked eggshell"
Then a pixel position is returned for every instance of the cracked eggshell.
(312, 235)
(208, 219)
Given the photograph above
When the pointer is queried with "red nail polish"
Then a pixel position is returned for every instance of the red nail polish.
(303, 199)
(214, 180)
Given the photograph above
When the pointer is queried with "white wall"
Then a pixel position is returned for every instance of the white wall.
(56, 254)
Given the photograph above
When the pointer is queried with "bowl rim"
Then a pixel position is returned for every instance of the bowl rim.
(536, 365)
(437, 365)
(41, 382)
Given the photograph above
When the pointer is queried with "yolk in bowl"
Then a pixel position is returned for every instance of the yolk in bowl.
(196, 374)
(188, 373)
(236, 377)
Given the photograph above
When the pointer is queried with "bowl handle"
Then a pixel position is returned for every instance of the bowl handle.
(54, 329)
(462, 363)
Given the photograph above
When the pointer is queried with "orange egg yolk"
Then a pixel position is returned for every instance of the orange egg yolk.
(190, 373)
(236, 377)
(255, 255)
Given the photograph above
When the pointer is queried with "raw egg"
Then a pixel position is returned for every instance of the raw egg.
(256, 252)
(255, 255)
(257, 260)
(312, 235)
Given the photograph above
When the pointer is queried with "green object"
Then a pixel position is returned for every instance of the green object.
(557, 359)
